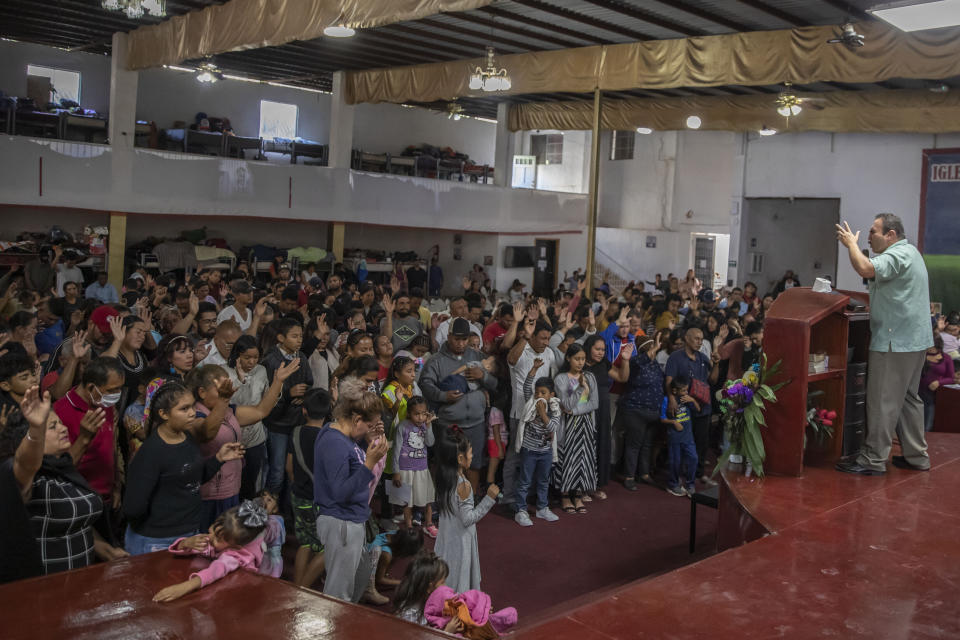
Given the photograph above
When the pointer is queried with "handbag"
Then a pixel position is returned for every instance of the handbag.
(699, 390)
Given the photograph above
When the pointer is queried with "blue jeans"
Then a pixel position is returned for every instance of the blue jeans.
(255, 460)
(137, 545)
(534, 469)
(277, 464)
(928, 414)
(683, 457)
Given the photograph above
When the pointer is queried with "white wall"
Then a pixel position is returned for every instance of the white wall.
(870, 173)
(572, 175)
(94, 71)
(571, 254)
(390, 128)
(167, 95)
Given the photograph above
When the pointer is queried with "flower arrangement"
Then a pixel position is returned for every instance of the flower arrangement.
(820, 422)
(742, 407)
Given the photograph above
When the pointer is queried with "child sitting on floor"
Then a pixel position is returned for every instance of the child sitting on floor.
(234, 541)
(424, 575)
(386, 546)
(413, 436)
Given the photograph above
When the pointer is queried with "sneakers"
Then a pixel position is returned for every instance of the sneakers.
(523, 518)
(431, 530)
(546, 514)
(630, 484)
(707, 481)
(677, 491)
(690, 490)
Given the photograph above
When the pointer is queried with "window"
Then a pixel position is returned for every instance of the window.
(621, 145)
(66, 84)
(548, 148)
(277, 120)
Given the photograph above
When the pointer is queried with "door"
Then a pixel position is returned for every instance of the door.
(703, 255)
(545, 268)
(524, 172)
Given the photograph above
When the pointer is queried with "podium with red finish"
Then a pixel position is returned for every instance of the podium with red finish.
(802, 322)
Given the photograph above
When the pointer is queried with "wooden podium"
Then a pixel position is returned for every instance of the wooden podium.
(802, 322)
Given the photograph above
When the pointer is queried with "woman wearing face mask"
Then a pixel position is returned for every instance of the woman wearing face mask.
(48, 527)
(95, 449)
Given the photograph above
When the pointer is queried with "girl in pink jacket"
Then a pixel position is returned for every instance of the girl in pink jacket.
(236, 540)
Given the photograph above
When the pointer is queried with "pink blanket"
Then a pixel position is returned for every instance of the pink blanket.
(478, 604)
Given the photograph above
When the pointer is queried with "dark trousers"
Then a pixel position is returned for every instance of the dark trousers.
(534, 469)
(641, 429)
(254, 462)
(683, 458)
(701, 436)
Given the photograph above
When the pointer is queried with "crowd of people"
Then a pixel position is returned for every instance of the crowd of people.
(198, 415)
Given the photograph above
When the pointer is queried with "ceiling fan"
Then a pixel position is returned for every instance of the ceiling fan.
(453, 110)
(848, 37)
(790, 103)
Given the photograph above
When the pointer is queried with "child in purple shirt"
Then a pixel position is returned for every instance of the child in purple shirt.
(413, 437)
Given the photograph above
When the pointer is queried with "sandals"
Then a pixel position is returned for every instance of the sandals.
(569, 508)
(581, 508)
(586, 498)
(600, 495)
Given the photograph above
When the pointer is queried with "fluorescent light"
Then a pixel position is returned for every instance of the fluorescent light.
(917, 17)
(694, 122)
(242, 78)
(644, 130)
(170, 66)
(290, 86)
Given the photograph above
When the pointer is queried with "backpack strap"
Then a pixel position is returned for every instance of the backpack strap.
(299, 453)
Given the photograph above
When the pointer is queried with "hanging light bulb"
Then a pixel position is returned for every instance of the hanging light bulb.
(694, 122)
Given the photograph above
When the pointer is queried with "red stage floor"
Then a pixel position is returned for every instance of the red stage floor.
(848, 556)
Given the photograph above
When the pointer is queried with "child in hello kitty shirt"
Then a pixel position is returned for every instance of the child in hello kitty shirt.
(413, 437)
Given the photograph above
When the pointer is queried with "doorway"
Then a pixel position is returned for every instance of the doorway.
(780, 234)
(545, 268)
(704, 254)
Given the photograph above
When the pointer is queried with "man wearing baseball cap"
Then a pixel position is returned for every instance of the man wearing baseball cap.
(466, 409)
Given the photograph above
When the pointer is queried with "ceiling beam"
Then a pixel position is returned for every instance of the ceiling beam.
(706, 15)
(541, 24)
(851, 11)
(479, 35)
(579, 17)
(645, 16)
(442, 37)
(520, 31)
(774, 12)
(460, 52)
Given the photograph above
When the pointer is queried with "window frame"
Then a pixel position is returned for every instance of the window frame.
(619, 151)
(296, 118)
(44, 67)
(552, 148)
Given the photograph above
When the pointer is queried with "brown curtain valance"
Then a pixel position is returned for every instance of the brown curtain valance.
(841, 111)
(799, 55)
(251, 24)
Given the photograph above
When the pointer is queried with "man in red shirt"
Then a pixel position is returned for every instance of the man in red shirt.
(94, 445)
(495, 331)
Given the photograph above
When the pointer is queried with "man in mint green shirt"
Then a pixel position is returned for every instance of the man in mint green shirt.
(901, 333)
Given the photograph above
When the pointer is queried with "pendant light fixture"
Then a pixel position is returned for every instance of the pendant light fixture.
(135, 9)
(490, 78)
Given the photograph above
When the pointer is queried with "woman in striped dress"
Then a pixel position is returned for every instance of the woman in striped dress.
(576, 471)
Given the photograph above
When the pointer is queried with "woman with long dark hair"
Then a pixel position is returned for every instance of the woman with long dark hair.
(605, 373)
(250, 380)
(576, 471)
(175, 358)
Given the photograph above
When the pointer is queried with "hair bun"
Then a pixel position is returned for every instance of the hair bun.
(252, 514)
(351, 389)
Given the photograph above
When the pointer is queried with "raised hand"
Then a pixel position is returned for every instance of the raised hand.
(465, 281)
(194, 305)
(297, 390)
(622, 319)
(537, 363)
(530, 325)
(394, 284)
(846, 236)
(288, 369)
(627, 350)
(230, 451)
(388, 305)
(117, 329)
(542, 307)
(225, 387)
(34, 408)
(517, 311)
(79, 347)
(92, 420)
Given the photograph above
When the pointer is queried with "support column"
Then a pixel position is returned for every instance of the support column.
(341, 124)
(123, 96)
(594, 191)
(116, 247)
(120, 130)
(503, 150)
(335, 235)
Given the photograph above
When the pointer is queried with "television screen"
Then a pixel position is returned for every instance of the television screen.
(519, 257)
